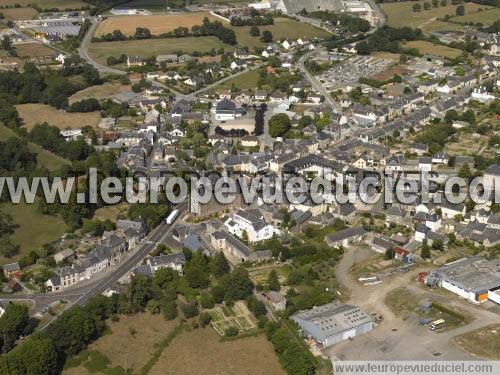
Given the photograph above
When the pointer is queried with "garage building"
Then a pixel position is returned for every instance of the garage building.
(333, 323)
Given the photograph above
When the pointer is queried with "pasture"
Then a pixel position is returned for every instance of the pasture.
(483, 343)
(156, 23)
(154, 47)
(201, 351)
(401, 13)
(32, 114)
(433, 49)
(129, 343)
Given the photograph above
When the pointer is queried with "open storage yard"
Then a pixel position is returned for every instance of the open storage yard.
(33, 114)
(401, 13)
(202, 352)
(156, 23)
(433, 49)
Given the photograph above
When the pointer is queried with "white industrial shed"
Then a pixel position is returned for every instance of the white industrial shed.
(333, 323)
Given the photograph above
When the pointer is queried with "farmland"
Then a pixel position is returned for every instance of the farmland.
(49, 4)
(36, 113)
(433, 49)
(157, 23)
(99, 92)
(139, 334)
(112, 212)
(15, 14)
(245, 81)
(154, 47)
(33, 50)
(201, 352)
(401, 14)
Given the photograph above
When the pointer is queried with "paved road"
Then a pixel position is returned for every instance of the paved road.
(83, 52)
(317, 84)
(81, 293)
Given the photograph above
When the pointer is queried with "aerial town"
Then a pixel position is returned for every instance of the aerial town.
(272, 96)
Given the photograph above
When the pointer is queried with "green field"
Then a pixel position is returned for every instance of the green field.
(433, 49)
(154, 47)
(401, 14)
(245, 81)
(282, 28)
(159, 5)
(486, 17)
(34, 228)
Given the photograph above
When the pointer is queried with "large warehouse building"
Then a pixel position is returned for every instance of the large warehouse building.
(475, 279)
(333, 323)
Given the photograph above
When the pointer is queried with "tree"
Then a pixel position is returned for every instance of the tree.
(435, 3)
(443, 3)
(438, 245)
(267, 36)
(12, 325)
(254, 31)
(273, 282)
(460, 11)
(278, 125)
(426, 251)
(205, 319)
(363, 48)
(417, 7)
(389, 254)
(465, 171)
(219, 265)
(231, 332)
(427, 6)
(256, 307)
(189, 309)
(153, 306)
(169, 310)
(207, 300)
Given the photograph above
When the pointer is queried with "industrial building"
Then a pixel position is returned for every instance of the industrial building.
(475, 279)
(333, 323)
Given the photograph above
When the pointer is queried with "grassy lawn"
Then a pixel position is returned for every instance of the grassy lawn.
(433, 49)
(243, 82)
(486, 17)
(201, 352)
(441, 26)
(34, 228)
(484, 342)
(34, 50)
(37, 113)
(154, 47)
(99, 92)
(401, 14)
(44, 158)
(130, 343)
(282, 28)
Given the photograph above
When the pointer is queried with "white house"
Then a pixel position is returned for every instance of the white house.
(252, 223)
